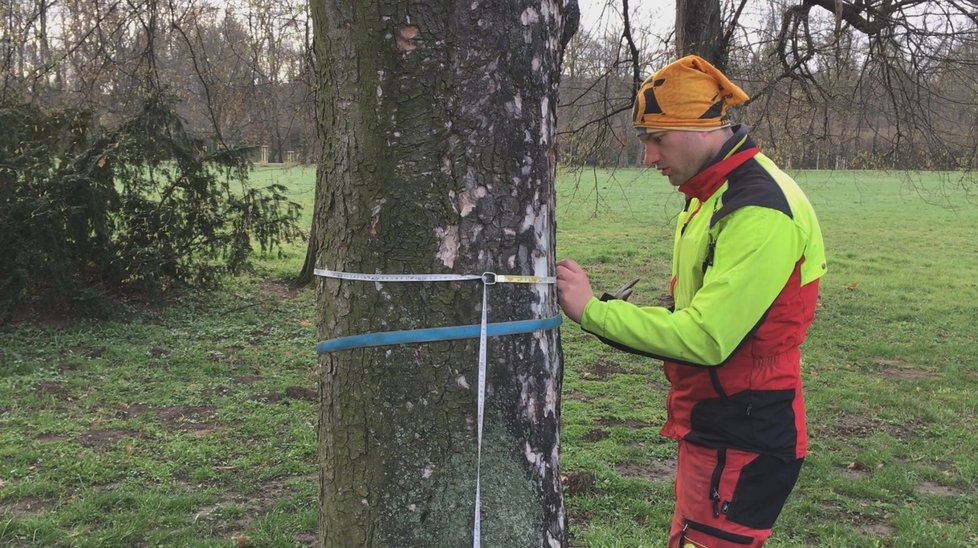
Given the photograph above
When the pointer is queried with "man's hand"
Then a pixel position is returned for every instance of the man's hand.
(573, 289)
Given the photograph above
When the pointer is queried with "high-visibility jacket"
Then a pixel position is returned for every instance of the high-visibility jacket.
(747, 257)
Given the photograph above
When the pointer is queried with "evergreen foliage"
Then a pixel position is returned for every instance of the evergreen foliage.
(86, 211)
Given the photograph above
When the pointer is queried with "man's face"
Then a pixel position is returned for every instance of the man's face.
(679, 155)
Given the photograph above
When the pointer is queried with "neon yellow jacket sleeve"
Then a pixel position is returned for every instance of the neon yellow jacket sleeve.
(755, 253)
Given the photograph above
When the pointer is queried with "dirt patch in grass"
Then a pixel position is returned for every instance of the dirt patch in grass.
(221, 390)
(268, 397)
(300, 393)
(875, 529)
(99, 439)
(578, 396)
(938, 490)
(248, 508)
(58, 389)
(290, 393)
(907, 374)
(652, 470)
(64, 367)
(24, 508)
(597, 434)
(280, 290)
(854, 425)
(51, 437)
(129, 411)
(170, 415)
(186, 418)
(179, 414)
(577, 483)
(855, 470)
(601, 370)
(615, 421)
(193, 419)
(864, 524)
(944, 467)
(247, 379)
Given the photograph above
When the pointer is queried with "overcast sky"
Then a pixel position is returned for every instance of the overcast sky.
(656, 14)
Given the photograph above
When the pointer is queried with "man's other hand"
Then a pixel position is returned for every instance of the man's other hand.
(573, 289)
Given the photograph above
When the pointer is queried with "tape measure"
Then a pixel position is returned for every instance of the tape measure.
(485, 329)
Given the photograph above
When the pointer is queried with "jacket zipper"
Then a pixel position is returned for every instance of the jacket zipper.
(713, 531)
(715, 480)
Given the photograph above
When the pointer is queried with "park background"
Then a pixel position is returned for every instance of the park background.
(188, 417)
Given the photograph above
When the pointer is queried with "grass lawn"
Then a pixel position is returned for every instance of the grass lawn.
(194, 424)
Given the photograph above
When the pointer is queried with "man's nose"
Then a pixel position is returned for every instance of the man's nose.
(651, 154)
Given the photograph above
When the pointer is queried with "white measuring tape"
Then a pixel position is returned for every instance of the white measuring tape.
(487, 279)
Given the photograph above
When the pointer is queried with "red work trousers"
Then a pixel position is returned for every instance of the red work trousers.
(727, 498)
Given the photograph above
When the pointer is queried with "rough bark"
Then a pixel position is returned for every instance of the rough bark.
(438, 156)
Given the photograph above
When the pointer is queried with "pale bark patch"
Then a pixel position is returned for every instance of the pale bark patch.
(545, 131)
(515, 107)
(448, 248)
(548, 8)
(550, 406)
(405, 38)
(465, 203)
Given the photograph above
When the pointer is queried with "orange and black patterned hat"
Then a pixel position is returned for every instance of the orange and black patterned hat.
(689, 94)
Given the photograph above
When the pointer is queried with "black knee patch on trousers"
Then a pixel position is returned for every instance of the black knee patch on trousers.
(762, 489)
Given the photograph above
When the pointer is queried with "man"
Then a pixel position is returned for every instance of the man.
(747, 258)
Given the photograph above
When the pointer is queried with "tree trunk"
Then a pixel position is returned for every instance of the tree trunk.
(438, 156)
(699, 31)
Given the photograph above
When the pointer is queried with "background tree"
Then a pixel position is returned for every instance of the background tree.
(242, 70)
(834, 85)
(865, 77)
(87, 211)
(106, 185)
(438, 124)
(864, 83)
(699, 31)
